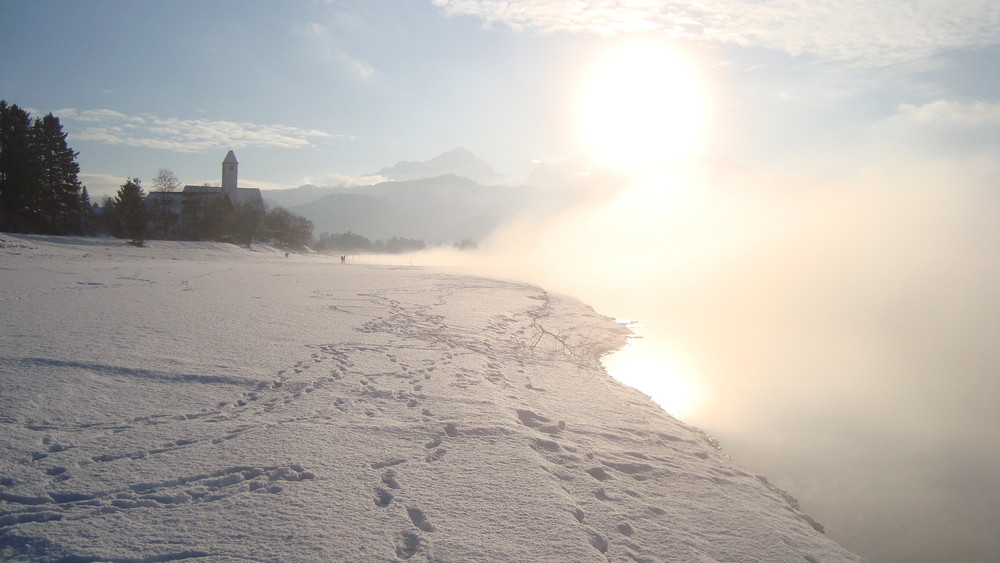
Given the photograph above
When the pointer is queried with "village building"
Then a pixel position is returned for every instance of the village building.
(204, 212)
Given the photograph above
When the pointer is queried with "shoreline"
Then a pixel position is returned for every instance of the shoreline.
(342, 413)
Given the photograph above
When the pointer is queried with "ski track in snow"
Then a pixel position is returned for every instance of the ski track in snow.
(447, 418)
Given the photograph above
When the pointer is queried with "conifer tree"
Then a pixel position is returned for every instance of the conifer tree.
(130, 210)
(40, 190)
(19, 169)
(60, 208)
(88, 225)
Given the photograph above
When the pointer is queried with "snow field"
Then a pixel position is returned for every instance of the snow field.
(203, 401)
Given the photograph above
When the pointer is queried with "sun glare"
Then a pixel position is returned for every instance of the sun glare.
(640, 105)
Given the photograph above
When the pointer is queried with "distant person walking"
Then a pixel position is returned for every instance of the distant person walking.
(343, 258)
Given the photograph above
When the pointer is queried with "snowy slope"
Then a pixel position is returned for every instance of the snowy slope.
(206, 401)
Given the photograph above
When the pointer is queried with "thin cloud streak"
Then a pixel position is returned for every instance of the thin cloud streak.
(869, 34)
(345, 180)
(950, 113)
(111, 127)
(944, 130)
(321, 39)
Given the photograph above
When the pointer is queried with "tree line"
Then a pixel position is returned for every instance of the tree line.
(353, 243)
(40, 190)
(131, 215)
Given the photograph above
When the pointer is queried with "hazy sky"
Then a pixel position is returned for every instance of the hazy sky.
(811, 235)
(316, 92)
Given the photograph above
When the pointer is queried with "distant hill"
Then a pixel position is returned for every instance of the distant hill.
(296, 196)
(457, 162)
(450, 197)
(441, 210)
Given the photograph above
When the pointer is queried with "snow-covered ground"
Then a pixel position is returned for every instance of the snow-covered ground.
(207, 401)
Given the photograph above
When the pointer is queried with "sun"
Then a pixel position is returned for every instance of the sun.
(641, 104)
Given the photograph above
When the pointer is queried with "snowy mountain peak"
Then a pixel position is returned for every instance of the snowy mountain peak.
(458, 161)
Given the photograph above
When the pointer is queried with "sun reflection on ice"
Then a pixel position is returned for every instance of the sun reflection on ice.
(659, 372)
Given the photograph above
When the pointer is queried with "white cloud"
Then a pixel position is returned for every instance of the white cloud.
(343, 180)
(949, 113)
(184, 135)
(855, 31)
(98, 115)
(361, 67)
(941, 130)
(314, 29)
(100, 186)
(322, 41)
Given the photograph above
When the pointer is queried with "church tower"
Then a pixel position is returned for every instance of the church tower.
(230, 171)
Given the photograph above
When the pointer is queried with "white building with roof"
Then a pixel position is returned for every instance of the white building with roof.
(199, 212)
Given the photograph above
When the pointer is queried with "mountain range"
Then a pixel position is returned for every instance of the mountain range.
(451, 197)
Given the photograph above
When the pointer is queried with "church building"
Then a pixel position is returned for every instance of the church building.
(202, 212)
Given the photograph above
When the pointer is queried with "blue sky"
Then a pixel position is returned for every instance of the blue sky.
(322, 92)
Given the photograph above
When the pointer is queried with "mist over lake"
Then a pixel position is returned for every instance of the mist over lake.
(837, 336)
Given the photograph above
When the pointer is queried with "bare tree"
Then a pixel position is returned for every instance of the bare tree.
(165, 181)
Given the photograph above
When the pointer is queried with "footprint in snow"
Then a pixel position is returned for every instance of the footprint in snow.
(387, 463)
(597, 540)
(599, 473)
(539, 422)
(436, 455)
(382, 497)
(419, 519)
(389, 479)
(602, 494)
(408, 546)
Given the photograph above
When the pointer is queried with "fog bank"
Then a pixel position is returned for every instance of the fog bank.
(835, 334)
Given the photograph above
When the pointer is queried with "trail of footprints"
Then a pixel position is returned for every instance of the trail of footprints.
(551, 441)
(611, 478)
(385, 382)
(270, 394)
(326, 368)
(410, 541)
(185, 490)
